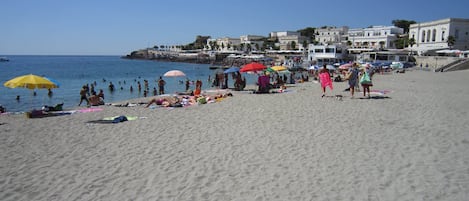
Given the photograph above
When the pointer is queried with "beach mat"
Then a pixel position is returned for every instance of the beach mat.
(113, 120)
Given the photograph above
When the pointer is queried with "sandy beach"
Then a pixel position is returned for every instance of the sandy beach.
(409, 142)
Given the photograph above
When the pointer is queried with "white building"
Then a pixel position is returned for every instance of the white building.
(289, 40)
(331, 35)
(251, 41)
(433, 35)
(373, 38)
(278, 34)
(326, 53)
(224, 44)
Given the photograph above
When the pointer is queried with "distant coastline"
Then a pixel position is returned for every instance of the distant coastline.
(200, 57)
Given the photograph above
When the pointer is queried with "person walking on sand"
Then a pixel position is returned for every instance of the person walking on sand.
(365, 81)
(353, 79)
(83, 93)
(325, 79)
(161, 84)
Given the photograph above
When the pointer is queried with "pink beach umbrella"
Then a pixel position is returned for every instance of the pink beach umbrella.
(345, 66)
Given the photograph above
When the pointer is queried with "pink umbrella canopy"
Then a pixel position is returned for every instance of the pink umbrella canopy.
(345, 66)
(253, 66)
(174, 73)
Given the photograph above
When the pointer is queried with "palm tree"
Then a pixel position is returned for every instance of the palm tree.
(451, 40)
(412, 42)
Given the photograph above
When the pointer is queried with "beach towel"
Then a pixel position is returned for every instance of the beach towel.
(113, 120)
(326, 80)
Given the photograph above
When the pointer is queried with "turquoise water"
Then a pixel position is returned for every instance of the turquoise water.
(72, 72)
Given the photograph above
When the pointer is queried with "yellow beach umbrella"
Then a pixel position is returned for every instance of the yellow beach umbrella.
(278, 68)
(31, 82)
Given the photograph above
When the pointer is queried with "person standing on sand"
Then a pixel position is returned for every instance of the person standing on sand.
(161, 84)
(353, 79)
(83, 93)
(367, 83)
(198, 87)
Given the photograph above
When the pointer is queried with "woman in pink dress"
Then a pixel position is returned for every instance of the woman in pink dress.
(325, 79)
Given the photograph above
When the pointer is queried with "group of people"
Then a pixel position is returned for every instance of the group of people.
(354, 77)
(185, 100)
(91, 97)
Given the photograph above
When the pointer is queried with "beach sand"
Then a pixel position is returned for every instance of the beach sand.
(411, 143)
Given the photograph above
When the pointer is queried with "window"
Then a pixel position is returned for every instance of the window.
(428, 35)
(434, 35)
(423, 36)
(443, 36)
(456, 34)
(330, 50)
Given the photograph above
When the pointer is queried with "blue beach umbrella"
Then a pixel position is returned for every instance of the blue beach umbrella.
(232, 69)
(53, 81)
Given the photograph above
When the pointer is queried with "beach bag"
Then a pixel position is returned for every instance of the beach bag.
(201, 100)
(365, 79)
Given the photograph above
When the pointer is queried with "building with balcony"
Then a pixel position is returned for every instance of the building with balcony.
(251, 42)
(223, 44)
(319, 54)
(434, 35)
(331, 35)
(373, 38)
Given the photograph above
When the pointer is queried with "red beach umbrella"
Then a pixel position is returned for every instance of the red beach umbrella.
(253, 66)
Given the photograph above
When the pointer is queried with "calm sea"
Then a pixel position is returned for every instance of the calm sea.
(72, 72)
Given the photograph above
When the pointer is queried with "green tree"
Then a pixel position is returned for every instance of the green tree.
(404, 24)
(308, 32)
(450, 40)
(293, 45)
(412, 42)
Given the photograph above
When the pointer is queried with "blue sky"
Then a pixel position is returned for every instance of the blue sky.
(117, 27)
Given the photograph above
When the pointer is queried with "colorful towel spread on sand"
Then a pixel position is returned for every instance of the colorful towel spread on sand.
(325, 80)
(113, 120)
(91, 109)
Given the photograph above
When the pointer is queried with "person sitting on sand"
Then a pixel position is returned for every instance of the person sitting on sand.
(95, 100)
